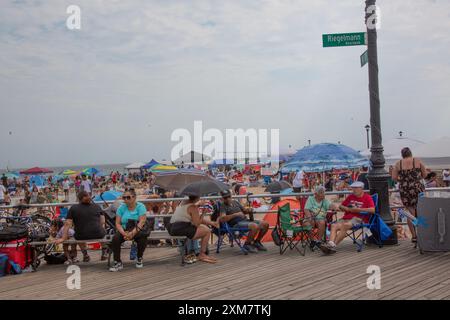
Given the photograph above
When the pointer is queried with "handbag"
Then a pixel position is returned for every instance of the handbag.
(276, 236)
(142, 232)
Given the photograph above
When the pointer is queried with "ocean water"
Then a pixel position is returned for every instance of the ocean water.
(105, 168)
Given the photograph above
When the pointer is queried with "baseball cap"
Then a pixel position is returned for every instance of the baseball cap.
(225, 193)
(357, 184)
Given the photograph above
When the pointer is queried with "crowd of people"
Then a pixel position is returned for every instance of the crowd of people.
(135, 220)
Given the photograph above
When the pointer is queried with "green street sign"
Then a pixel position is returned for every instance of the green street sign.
(344, 39)
(364, 58)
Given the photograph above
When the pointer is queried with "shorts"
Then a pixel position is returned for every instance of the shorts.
(182, 229)
(354, 221)
(244, 224)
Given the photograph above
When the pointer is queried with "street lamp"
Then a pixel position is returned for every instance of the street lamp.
(367, 132)
(377, 176)
(309, 142)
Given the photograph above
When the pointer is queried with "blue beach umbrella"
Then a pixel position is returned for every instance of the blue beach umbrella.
(325, 157)
(110, 195)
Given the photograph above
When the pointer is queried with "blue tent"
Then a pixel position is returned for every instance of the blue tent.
(324, 157)
(110, 195)
(150, 164)
(39, 181)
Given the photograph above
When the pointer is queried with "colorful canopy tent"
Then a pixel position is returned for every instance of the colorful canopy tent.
(36, 170)
(160, 167)
(150, 164)
(393, 147)
(69, 172)
(325, 157)
(39, 181)
(90, 171)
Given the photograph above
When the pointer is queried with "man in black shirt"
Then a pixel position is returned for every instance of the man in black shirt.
(87, 220)
(233, 212)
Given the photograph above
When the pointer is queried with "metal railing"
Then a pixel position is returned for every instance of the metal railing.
(248, 196)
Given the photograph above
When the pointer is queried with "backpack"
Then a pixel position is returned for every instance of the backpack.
(55, 258)
(12, 231)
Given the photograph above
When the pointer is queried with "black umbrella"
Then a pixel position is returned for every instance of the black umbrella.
(278, 186)
(177, 180)
(203, 188)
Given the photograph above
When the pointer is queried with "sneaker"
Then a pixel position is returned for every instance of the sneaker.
(116, 267)
(139, 263)
(258, 245)
(68, 262)
(188, 259)
(332, 249)
(250, 248)
(324, 248)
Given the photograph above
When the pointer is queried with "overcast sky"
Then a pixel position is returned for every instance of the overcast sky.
(114, 91)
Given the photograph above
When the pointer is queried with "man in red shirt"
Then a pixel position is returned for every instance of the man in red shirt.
(352, 206)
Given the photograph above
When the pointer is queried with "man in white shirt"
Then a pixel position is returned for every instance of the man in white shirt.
(446, 177)
(297, 183)
(86, 185)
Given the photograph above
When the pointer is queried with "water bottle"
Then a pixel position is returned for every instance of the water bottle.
(133, 251)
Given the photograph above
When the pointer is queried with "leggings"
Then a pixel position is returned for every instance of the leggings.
(117, 241)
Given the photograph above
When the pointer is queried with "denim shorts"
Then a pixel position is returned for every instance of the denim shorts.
(244, 224)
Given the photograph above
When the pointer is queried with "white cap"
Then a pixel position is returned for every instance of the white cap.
(357, 184)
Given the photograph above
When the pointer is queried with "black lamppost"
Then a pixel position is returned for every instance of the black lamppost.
(377, 176)
(309, 142)
(367, 127)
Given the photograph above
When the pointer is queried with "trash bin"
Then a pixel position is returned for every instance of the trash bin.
(434, 233)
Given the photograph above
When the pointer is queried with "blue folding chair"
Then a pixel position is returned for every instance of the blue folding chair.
(374, 225)
(234, 234)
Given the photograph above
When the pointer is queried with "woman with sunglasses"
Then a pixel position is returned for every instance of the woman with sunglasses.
(130, 221)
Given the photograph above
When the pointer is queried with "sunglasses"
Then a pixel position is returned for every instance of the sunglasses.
(127, 197)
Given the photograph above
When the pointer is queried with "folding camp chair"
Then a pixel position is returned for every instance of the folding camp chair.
(371, 230)
(235, 236)
(291, 231)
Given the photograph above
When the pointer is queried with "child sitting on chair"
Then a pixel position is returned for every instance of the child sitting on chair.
(56, 230)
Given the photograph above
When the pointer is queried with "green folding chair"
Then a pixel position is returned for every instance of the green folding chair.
(293, 234)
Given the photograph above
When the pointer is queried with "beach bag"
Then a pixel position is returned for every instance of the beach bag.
(14, 231)
(276, 236)
(55, 258)
(18, 251)
(3, 263)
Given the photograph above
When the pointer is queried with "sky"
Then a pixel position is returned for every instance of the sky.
(115, 90)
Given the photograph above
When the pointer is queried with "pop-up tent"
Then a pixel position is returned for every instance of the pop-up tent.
(150, 164)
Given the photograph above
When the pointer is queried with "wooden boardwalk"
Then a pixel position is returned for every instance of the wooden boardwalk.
(405, 274)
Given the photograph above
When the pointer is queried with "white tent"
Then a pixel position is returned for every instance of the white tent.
(135, 166)
(192, 157)
(439, 148)
(392, 148)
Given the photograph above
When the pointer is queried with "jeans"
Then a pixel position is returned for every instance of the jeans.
(192, 246)
(117, 240)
